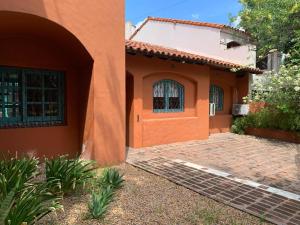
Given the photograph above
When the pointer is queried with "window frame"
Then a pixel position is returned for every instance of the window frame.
(181, 94)
(24, 120)
(215, 89)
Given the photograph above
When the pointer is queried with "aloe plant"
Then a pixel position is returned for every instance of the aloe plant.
(111, 177)
(100, 201)
(71, 173)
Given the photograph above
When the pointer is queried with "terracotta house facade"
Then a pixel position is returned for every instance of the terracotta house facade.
(62, 82)
(169, 94)
(186, 77)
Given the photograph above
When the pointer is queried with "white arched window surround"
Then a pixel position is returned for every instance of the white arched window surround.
(168, 96)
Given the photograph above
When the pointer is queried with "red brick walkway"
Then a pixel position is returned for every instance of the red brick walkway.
(254, 200)
(265, 161)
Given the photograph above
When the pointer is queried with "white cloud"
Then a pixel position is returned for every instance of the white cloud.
(196, 16)
(236, 22)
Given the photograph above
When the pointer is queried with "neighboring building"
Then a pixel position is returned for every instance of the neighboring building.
(208, 39)
(129, 29)
(271, 62)
(62, 78)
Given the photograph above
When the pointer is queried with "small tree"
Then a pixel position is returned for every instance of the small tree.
(272, 23)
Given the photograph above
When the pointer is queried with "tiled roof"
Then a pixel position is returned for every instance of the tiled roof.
(189, 22)
(134, 47)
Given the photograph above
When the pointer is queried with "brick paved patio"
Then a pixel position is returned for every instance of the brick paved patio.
(265, 161)
(255, 200)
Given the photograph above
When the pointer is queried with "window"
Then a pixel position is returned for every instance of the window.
(168, 96)
(233, 44)
(31, 97)
(216, 95)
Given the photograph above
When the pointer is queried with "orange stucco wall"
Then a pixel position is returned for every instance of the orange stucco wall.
(235, 88)
(87, 42)
(43, 141)
(147, 128)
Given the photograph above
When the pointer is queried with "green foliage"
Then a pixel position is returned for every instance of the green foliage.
(103, 194)
(24, 200)
(33, 203)
(267, 118)
(272, 23)
(111, 177)
(293, 58)
(71, 173)
(5, 206)
(16, 171)
(240, 124)
(100, 201)
(282, 93)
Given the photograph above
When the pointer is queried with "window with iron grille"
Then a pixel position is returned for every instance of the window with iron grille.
(216, 95)
(168, 96)
(30, 97)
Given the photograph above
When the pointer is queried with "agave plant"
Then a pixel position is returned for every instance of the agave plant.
(33, 203)
(16, 171)
(71, 173)
(5, 206)
(111, 177)
(24, 201)
(100, 201)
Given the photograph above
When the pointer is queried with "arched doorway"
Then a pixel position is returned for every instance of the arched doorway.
(52, 71)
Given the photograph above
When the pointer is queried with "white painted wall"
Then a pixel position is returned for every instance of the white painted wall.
(129, 29)
(204, 41)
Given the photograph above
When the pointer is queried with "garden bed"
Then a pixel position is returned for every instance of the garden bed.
(274, 134)
(149, 199)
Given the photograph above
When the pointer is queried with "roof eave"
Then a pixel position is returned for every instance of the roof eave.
(188, 60)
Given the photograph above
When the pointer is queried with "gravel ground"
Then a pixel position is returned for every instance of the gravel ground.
(149, 199)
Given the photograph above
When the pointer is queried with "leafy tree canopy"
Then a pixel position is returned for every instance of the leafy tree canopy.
(272, 23)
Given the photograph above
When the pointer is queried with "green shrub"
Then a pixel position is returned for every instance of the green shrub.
(240, 124)
(111, 177)
(269, 117)
(22, 199)
(100, 201)
(71, 173)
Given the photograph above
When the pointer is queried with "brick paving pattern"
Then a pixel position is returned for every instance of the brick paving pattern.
(256, 201)
(269, 162)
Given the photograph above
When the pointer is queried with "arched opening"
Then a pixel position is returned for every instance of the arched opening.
(233, 44)
(36, 44)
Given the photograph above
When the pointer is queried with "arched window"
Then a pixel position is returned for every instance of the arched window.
(168, 96)
(233, 44)
(216, 95)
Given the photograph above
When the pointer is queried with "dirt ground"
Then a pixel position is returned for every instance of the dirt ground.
(149, 199)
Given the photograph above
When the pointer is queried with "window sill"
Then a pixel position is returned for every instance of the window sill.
(32, 125)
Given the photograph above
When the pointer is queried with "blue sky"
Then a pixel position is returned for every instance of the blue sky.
(216, 11)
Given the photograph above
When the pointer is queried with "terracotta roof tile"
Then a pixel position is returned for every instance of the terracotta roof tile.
(189, 22)
(174, 54)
